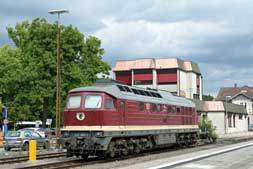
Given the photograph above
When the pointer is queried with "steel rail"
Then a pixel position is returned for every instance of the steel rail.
(17, 159)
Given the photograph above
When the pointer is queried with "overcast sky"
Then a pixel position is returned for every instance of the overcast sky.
(218, 35)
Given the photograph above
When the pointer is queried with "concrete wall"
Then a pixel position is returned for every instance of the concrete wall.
(183, 82)
(241, 125)
(200, 87)
(217, 119)
(191, 84)
(188, 84)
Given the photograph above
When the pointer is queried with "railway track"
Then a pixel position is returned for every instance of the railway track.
(66, 164)
(91, 161)
(18, 159)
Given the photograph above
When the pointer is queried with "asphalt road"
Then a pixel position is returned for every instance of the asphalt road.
(239, 159)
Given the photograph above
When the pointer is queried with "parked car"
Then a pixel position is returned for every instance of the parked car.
(44, 132)
(21, 138)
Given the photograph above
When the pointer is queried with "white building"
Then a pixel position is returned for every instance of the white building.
(182, 78)
(238, 95)
(227, 118)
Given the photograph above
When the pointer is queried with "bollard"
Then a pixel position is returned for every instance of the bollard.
(32, 150)
(1, 139)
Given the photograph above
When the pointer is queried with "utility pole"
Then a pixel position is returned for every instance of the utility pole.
(58, 75)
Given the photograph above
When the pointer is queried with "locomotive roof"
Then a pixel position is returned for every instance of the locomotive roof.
(137, 94)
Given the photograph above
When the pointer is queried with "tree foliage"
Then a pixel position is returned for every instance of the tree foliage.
(208, 129)
(28, 81)
(207, 98)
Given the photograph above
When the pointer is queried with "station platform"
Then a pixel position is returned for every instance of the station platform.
(185, 158)
(235, 135)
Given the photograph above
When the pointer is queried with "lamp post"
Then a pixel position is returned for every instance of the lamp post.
(225, 117)
(58, 74)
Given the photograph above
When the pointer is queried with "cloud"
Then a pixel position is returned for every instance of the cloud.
(220, 75)
(154, 39)
(215, 34)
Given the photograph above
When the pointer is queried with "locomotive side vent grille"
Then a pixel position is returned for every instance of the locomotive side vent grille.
(139, 91)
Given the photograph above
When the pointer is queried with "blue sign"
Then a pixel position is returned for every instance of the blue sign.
(5, 125)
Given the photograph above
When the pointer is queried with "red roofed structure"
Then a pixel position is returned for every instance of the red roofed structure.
(182, 78)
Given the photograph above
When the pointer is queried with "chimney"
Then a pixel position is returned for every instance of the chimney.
(235, 85)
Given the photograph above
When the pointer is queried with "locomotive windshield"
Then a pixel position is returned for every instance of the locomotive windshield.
(74, 102)
(93, 102)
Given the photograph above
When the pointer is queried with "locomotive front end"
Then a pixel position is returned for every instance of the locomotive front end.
(82, 133)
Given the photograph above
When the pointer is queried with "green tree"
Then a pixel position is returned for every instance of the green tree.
(81, 61)
(207, 97)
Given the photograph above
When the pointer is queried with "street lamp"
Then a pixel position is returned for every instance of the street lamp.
(58, 73)
(225, 118)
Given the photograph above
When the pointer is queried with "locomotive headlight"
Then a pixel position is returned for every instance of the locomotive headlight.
(99, 134)
(80, 116)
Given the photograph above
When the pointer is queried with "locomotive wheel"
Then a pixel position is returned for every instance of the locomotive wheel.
(137, 148)
(150, 144)
(125, 151)
(130, 148)
(111, 150)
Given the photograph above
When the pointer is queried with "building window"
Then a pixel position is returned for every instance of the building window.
(229, 120)
(143, 82)
(234, 120)
(196, 96)
(240, 117)
(141, 107)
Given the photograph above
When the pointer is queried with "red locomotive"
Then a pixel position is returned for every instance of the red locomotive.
(111, 119)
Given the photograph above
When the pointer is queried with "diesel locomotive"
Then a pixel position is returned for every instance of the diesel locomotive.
(111, 119)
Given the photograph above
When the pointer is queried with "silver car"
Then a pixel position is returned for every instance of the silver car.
(21, 138)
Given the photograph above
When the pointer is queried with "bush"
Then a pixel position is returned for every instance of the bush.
(207, 128)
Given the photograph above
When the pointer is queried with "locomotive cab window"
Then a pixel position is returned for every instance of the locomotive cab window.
(73, 102)
(93, 102)
(109, 104)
